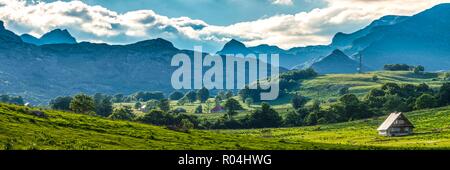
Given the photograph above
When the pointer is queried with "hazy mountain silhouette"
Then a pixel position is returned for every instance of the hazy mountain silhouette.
(56, 36)
(336, 62)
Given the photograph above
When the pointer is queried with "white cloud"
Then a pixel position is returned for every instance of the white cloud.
(282, 2)
(96, 23)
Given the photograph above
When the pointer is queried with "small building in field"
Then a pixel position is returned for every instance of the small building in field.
(217, 109)
(396, 124)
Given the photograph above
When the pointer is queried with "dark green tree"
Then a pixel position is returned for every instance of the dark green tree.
(164, 105)
(203, 95)
(61, 103)
(82, 103)
(265, 117)
(298, 101)
(419, 69)
(137, 105)
(232, 105)
(199, 109)
(229, 94)
(157, 117)
(444, 94)
(190, 96)
(122, 113)
(176, 95)
(426, 101)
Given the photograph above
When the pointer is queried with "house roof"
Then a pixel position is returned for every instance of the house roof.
(391, 119)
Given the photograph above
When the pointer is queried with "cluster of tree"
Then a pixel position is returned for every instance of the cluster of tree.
(287, 81)
(99, 104)
(390, 97)
(17, 100)
(265, 117)
(201, 95)
(299, 74)
(404, 67)
(146, 96)
(163, 104)
(180, 122)
(138, 97)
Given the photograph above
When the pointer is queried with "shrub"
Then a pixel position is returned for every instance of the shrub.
(199, 109)
(157, 117)
(61, 103)
(122, 113)
(298, 101)
(375, 78)
(426, 101)
(265, 117)
(176, 95)
(82, 103)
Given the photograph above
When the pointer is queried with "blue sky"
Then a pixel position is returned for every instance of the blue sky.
(217, 12)
(210, 23)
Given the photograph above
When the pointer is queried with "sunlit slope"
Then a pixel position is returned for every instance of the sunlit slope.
(20, 128)
(432, 132)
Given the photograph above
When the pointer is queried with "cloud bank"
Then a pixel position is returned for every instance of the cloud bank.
(99, 24)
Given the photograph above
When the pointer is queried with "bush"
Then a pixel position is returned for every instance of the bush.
(419, 69)
(122, 113)
(265, 117)
(203, 95)
(164, 105)
(137, 105)
(343, 90)
(293, 119)
(157, 117)
(61, 103)
(298, 101)
(82, 103)
(146, 96)
(17, 100)
(397, 67)
(426, 101)
(176, 95)
(444, 94)
(375, 78)
(199, 109)
(232, 105)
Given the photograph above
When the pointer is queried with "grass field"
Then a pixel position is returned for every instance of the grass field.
(432, 132)
(327, 87)
(19, 129)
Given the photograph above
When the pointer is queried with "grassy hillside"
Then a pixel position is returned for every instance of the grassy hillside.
(327, 86)
(432, 132)
(21, 129)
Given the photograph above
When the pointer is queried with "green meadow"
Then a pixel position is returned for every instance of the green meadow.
(27, 128)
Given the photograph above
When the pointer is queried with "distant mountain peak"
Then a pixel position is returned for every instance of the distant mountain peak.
(336, 62)
(2, 27)
(154, 44)
(234, 47)
(338, 52)
(233, 43)
(56, 36)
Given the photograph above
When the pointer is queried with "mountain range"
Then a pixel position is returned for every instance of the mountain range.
(56, 64)
(421, 39)
(56, 36)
